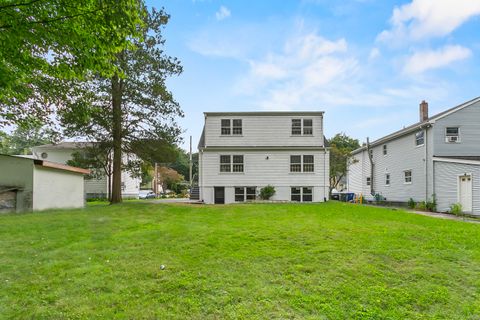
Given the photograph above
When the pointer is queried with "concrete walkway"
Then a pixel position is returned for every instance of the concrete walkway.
(445, 216)
(175, 200)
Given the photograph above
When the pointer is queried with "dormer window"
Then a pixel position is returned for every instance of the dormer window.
(452, 135)
(302, 127)
(231, 126)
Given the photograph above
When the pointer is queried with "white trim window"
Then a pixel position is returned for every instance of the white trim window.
(407, 176)
(231, 127)
(452, 134)
(369, 181)
(243, 194)
(387, 179)
(297, 165)
(231, 163)
(301, 194)
(302, 127)
(420, 138)
(385, 150)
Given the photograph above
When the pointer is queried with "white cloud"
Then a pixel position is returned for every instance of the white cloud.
(432, 59)
(422, 19)
(222, 13)
(374, 53)
(299, 74)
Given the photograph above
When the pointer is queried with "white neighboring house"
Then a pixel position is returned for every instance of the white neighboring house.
(95, 187)
(31, 184)
(241, 152)
(439, 155)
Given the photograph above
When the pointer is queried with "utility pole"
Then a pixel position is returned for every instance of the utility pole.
(191, 164)
(155, 180)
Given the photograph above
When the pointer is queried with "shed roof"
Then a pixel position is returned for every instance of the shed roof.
(49, 164)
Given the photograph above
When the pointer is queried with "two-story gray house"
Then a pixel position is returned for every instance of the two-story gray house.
(241, 152)
(439, 155)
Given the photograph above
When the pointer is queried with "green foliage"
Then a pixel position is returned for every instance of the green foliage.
(411, 203)
(182, 164)
(44, 42)
(23, 138)
(267, 192)
(431, 204)
(422, 206)
(456, 209)
(341, 146)
(95, 157)
(255, 261)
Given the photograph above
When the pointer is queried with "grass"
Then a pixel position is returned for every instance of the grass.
(261, 261)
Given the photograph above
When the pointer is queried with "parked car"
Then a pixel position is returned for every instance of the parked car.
(146, 194)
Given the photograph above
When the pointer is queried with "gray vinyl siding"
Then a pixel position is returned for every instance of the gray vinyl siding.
(468, 121)
(260, 171)
(263, 131)
(446, 184)
(402, 155)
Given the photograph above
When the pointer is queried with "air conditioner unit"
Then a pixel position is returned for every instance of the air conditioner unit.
(452, 139)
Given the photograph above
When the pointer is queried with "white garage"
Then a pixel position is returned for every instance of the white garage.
(31, 184)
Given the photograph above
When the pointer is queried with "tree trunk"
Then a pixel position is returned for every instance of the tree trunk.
(117, 140)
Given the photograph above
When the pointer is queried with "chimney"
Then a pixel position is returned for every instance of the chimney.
(423, 111)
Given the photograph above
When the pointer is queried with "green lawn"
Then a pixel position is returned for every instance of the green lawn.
(262, 261)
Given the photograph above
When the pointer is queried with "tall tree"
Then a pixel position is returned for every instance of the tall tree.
(44, 41)
(131, 109)
(341, 146)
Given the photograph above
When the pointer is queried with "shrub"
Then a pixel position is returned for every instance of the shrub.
(432, 204)
(267, 192)
(422, 206)
(411, 203)
(456, 209)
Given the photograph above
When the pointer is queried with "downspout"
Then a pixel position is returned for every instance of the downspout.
(426, 164)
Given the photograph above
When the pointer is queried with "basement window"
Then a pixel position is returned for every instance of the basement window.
(301, 194)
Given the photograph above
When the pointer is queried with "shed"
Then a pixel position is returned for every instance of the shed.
(31, 184)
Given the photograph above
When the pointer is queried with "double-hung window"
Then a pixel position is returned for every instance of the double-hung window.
(385, 150)
(369, 181)
(407, 174)
(452, 134)
(231, 163)
(301, 194)
(231, 127)
(299, 163)
(419, 138)
(245, 194)
(387, 179)
(302, 127)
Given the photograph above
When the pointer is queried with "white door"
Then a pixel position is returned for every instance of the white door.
(465, 193)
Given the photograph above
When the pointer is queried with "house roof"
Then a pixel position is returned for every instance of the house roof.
(416, 126)
(201, 143)
(65, 145)
(52, 165)
(266, 113)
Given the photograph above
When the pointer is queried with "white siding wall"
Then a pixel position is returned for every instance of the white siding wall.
(57, 189)
(402, 154)
(259, 172)
(446, 184)
(263, 130)
(468, 121)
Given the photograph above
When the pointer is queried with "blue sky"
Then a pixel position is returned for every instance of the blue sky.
(366, 63)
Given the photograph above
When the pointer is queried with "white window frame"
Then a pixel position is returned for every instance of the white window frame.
(231, 128)
(423, 138)
(385, 150)
(302, 193)
(405, 176)
(232, 164)
(369, 181)
(388, 179)
(302, 163)
(302, 128)
(447, 136)
(244, 194)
